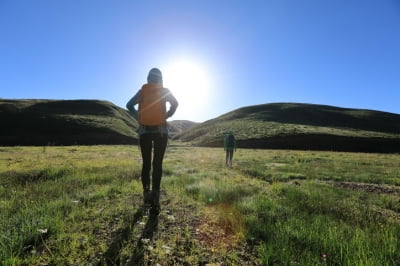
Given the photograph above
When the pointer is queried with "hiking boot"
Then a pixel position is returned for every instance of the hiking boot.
(155, 203)
(147, 198)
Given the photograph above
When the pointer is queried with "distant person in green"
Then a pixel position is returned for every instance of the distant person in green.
(229, 147)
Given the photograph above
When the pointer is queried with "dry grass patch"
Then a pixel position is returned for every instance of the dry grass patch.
(221, 227)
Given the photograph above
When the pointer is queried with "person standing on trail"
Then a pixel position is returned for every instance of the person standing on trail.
(229, 147)
(153, 132)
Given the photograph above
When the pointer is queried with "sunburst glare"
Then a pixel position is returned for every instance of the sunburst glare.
(189, 82)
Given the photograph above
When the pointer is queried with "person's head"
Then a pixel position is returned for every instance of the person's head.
(155, 76)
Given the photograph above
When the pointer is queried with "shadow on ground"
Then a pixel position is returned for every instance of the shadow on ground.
(124, 234)
(150, 228)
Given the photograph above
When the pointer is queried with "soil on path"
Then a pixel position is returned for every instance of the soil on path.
(183, 234)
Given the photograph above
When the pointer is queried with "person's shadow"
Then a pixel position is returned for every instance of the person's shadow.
(150, 228)
(111, 256)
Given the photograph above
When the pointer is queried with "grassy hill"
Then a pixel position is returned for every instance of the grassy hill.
(302, 126)
(178, 126)
(277, 125)
(65, 122)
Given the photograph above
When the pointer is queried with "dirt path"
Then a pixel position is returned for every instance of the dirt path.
(182, 234)
(373, 188)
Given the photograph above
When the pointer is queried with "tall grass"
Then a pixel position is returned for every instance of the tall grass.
(315, 223)
(46, 192)
(63, 205)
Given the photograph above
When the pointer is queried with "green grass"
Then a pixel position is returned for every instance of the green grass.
(313, 220)
(257, 129)
(82, 205)
(65, 122)
(341, 129)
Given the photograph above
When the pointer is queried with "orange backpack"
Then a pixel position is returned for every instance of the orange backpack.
(152, 110)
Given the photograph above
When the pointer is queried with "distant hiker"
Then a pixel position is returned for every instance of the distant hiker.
(153, 132)
(229, 147)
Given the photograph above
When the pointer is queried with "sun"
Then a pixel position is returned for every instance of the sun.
(189, 83)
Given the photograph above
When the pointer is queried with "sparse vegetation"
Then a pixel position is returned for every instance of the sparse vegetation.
(273, 126)
(82, 205)
(301, 126)
(65, 122)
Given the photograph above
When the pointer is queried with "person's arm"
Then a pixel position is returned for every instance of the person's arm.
(172, 101)
(131, 105)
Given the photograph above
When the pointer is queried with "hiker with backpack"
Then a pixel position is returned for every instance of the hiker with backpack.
(153, 132)
(229, 147)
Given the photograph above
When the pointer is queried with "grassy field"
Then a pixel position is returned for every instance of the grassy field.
(81, 205)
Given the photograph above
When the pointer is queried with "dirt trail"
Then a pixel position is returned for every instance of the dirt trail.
(178, 236)
(366, 187)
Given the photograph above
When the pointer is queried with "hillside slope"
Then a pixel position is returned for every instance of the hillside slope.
(302, 126)
(65, 122)
(178, 126)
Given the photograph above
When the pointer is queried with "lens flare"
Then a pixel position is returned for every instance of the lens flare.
(189, 82)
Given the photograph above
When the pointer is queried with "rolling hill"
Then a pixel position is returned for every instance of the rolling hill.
(178, 126)
(301, 126)
(65, 122)
(275, 125)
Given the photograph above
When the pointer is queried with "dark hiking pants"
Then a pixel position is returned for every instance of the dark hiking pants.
(147, 142)
(229, 156)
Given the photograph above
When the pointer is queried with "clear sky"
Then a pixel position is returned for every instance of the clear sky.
(216, 55)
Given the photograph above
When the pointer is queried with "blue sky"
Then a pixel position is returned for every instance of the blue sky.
(337, 52)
